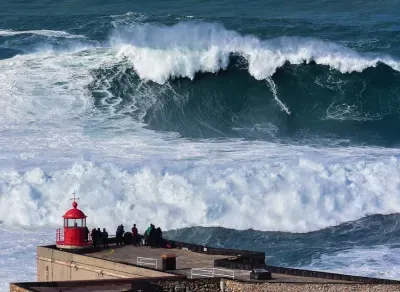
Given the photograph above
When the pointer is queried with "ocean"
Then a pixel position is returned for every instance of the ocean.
(242, 124)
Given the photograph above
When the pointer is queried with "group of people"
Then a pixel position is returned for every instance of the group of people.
(152, 236)
(99, 238)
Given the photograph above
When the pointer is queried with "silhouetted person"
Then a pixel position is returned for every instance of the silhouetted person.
(153, 238)
(134, 235)
(119, 234)
(94, 237)
(105, 238)
(99, 237)
(86, 234)
(122, 234)
(159, 239)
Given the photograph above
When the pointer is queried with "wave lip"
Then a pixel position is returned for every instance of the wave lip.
(162, 52)
(43, 32)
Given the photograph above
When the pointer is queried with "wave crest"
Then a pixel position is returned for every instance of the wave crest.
(162, 52)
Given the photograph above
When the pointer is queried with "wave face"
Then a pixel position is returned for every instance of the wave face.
(368, 245)
(283, 118)
(285, 88)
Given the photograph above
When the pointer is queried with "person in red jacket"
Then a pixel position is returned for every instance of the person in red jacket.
(134, 235)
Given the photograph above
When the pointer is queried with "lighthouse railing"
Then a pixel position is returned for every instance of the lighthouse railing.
(59, 235)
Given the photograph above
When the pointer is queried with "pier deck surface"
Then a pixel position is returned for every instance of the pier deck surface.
(186, 260)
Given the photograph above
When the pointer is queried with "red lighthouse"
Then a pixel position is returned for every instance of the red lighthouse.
(75, 234)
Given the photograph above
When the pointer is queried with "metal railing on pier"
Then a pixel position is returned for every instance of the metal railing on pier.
(212, 273)
(140, 261)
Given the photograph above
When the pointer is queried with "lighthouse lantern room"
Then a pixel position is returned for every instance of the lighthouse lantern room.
(75, 234)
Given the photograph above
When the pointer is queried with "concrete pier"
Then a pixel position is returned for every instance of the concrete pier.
(197, 268)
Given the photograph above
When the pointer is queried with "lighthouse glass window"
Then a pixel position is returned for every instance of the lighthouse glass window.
(75, 222)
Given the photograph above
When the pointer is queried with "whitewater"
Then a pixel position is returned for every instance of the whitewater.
(94, 114)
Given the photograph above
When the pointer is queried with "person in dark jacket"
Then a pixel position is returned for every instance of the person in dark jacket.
(86, 234)
(120, 234)
(153, 238)
(134, 235)
(99, 235)
(105, 238)
(94, 237)
(159, 239)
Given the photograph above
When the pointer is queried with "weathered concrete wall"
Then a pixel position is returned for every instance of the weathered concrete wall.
(183, 285)
(232, 286)
(56, 265)
(198, 285)
(210, 285)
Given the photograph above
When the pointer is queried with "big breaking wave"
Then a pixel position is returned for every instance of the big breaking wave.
(49, 90)
(159, 54)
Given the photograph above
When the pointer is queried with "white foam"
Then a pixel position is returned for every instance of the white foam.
(296, 194)
(128, 19)
(160, 52)
(377, 261)
(17, 250)
(47, 86)
(158, 65)
(43, 32)
(343, 111)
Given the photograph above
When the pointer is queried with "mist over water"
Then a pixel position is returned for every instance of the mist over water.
(233, 129)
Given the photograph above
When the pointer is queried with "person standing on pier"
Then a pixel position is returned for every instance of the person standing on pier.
(94, 237)
(86, 234)
(147, 234)
(105, 238)
(99, 237)
(119, 234)
(134, 235)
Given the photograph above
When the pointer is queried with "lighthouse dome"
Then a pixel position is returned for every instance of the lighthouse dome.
(74, 213)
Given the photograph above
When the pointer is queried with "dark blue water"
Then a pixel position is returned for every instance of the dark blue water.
(303, 249)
